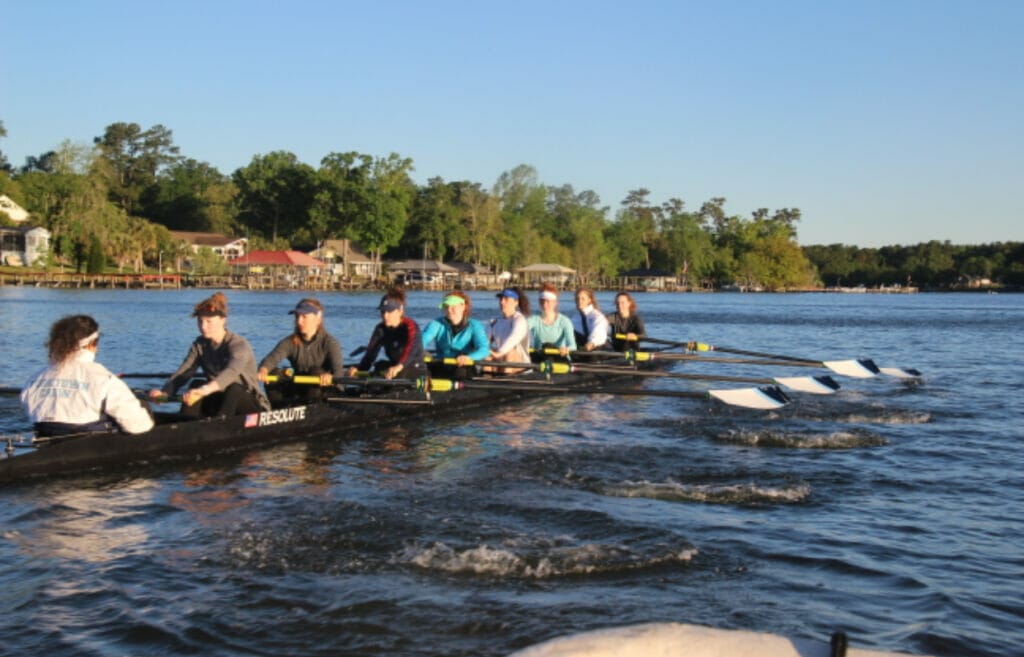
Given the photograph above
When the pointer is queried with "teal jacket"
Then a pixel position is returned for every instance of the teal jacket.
(470, 341)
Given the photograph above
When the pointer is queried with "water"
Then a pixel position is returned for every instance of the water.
(892, 511)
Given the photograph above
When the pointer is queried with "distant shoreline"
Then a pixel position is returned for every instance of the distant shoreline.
(151, 281)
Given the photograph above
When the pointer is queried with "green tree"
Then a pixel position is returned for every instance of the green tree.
(96, 260)
(481, 215)
(342, 195)
(275, 194)
(5, 166)
(132, 158)
(390, 197)
(625, 235)
(687, 241)
(435, 220)
(641, 217)
(194, 196)
(206, 262)
(576, 222)
(522, 203)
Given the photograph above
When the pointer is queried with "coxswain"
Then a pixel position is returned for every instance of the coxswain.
(75, 394)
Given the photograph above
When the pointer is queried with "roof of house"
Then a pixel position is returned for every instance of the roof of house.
(545, 268)
(14, 211)
(204, 239)
(342, 249)
(421, 265)
(280, 258)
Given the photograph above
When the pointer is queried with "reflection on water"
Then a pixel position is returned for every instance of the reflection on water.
(94, 525)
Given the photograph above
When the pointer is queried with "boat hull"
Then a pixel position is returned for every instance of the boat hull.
(345, 416)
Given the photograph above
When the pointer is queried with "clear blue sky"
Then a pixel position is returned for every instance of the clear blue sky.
(885, 122)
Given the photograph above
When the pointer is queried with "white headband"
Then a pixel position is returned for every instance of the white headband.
(87, 340)
(549, 295)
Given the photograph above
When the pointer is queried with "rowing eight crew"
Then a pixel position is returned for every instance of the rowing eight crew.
(75, 394)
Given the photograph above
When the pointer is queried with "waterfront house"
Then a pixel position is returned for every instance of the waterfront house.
(224, 246)
(23, 246)
(536, 274)
(279, 268)
(12, 210)
(344, 259)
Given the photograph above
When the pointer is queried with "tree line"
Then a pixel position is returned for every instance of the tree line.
(116, 200)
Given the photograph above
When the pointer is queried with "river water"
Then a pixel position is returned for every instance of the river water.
(892, 511)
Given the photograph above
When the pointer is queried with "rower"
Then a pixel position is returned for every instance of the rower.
(625, 322)
(400, 338)
(551, 329)
(456, 335)
(509, 333)
(227, 360)
(590, 327)
(75, 394)
(310, 350)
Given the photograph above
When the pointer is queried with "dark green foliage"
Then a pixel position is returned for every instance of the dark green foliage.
(96, 261)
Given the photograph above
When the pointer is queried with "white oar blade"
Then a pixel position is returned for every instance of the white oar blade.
(858, 369)
(815, 385)
(760, 398)
(901, 373)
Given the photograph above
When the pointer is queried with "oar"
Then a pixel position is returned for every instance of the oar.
(145, 375)
(816, 385)
(766, 398)
(544, 366)
(862, 368)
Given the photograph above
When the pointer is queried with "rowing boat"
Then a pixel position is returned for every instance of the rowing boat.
(352, 411)
(685, 640)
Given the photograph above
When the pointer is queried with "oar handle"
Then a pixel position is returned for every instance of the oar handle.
(299, 379)
(690, 345)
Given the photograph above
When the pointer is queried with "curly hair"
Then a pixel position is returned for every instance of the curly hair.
(66, 335)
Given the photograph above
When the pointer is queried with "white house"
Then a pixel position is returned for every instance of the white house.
(226, 247)
(15, 212)
(23, 246)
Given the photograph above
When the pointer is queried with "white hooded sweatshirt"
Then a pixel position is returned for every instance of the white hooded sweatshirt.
(80, 391)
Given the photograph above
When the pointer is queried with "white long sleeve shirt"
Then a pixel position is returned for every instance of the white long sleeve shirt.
(509, 337)
(597, 326)
(80, 391)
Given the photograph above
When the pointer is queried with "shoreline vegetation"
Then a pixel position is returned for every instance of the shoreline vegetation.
(24, 277)
(112, 204)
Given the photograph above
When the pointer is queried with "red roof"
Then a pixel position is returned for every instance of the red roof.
(281, 258)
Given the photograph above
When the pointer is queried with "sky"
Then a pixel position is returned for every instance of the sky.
(884, 122)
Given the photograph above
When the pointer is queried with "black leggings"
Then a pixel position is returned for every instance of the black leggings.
(234, 400)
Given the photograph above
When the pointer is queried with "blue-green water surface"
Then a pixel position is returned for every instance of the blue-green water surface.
(893, 511)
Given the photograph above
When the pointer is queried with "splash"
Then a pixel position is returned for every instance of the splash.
(746, 493)
(541, 561)
(795, 440)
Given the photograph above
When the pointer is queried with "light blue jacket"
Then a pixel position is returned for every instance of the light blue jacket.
(470, 341)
